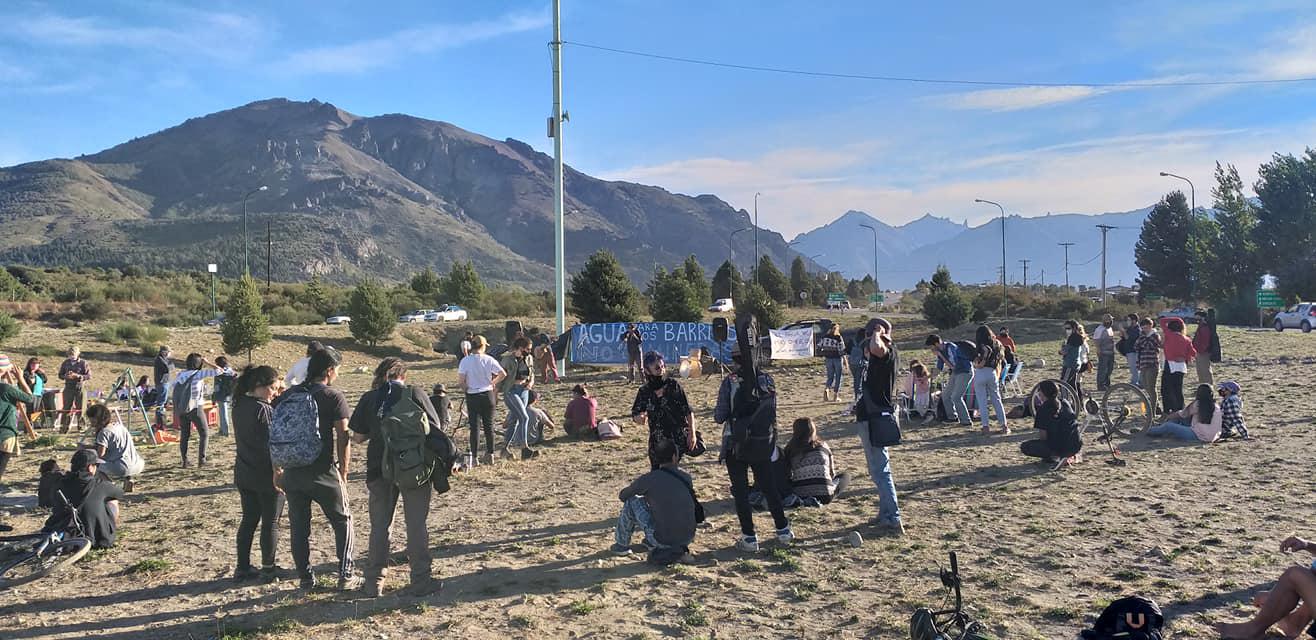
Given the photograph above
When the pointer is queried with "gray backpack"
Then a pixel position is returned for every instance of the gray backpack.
(295, 430)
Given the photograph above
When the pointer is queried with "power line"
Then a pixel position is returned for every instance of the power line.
(1151, 84)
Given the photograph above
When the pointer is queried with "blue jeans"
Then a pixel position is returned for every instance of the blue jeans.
(1174, 429)
(635, 514)
(879, 469)
(987, 390)
(834, 368)
(225, 411)
(1134, 378)
(517, 399)
(952, 396)
(857, 377)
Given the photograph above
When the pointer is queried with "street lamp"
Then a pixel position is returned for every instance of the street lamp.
(756, 237)
(1005, 296)
(1192, 235)
(214, 307)
(246, 242)
(876, 287)
(813, 259)
(731, 259)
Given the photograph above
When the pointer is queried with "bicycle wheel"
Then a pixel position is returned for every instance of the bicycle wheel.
(1126, 406)
(32, 566)
(1067, 394)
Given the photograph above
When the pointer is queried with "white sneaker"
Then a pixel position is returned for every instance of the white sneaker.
(749, 544)
(785, 536)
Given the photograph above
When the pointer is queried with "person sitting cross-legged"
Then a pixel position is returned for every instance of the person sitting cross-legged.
(1286, 604)
(660, 504)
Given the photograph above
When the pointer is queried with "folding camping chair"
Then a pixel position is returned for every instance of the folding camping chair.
(1010, 379)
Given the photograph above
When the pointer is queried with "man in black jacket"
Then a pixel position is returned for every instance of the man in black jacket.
(95, 498)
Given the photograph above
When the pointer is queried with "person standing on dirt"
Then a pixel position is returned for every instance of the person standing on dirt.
(477, 375)
(987, 363)
(633, 341)
(1204, 341)
(960, 362)
(1074, 357)
(466, 346)
(189, 397)
(163, 370)
(661, 403)
(253, 474)
(858, 359)
(297, 373)
(1104, 336)
(832, 348)
(1127, 346)
(880, 395)
(323, 481)
(1179, 351)
(386, 390)
(1148, 348)
(515, 389)
(12, 400)
(75, 372)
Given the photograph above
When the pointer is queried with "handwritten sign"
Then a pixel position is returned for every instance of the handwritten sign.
(601, 343)
(792, 344)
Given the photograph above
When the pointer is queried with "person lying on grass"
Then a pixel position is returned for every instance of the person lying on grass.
(1059, 426)
(1286, 604)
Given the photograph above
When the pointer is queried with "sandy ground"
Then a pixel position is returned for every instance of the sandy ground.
(522, 547)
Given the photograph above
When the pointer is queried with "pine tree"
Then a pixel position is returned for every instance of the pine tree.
(773, 281)
(317, 297)
(1285, 234)
(727, 282)
(758, 303)
(601, 292)
(427, 283)
(372, 313)
(694, 275)
(463, 286)
(946, 306)
(673, 299)
(1162, 253)
(1233, 273)
(800, 280)
(245, 325)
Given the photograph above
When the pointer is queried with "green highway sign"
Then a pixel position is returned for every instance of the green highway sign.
(877, 297)
(836, 297)
(1152, 296)
(1269, 299)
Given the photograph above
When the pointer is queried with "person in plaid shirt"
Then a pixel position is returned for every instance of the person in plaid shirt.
(1231, 409)
(1148, 348)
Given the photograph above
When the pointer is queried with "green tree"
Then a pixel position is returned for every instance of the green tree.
(1285, 220)
(1162, 253)
(601, 292)
(372, 313)
(673, 299)
(945, 305)
(11, 288)
(727, 282)
(245, 325)
(800, 279)
(758, 303)
(463, 286)
(773, 281)
(9, 327)
(317, 297)
(1233, 273)
(694, 275)
(427, 283)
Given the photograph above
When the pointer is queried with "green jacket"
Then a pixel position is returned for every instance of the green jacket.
(9, 397)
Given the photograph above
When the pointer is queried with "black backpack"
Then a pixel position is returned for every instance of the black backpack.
(754, 425)
(1129, 618)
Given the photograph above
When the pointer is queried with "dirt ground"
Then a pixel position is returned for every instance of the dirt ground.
(522, 547)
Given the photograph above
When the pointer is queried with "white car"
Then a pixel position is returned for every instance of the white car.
(722, 305)
(338, 320)
(449, 313)
(1299, 316)
(415, 316)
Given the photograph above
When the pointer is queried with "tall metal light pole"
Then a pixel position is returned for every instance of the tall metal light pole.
(214, 306)
(246, 241)
(1005, 294)
(756, 237)
(559, 254)
(877, 288)
(813, 259)
(731, 259)
(1192, 231)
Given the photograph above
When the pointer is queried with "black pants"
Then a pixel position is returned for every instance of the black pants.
(197, 418)
(1037, 449)
(1171, 391)
(327, 491)
(262, 508)
(739, 474)
(480, 412)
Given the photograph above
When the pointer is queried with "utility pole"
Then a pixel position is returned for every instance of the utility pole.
(559, 252)
(1025, 263)
(269, 252)
(1066, 245)
(1043, 280)
(1105, 228)
(756, 240)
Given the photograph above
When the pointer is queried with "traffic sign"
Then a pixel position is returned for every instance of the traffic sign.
(1269, 299)
(836, 297)
(877, 297)
(1152, 296)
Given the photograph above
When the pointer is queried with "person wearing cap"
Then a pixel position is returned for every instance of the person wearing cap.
(478, 375)
(880, 394)
(12, 400)
(661, 403)
(1231, 411)
(75, 372)
(94, 496)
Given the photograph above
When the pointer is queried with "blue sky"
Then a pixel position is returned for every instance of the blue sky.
(78, 77)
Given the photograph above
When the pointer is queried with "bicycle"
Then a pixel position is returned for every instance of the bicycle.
(950, 624)
(26, 558)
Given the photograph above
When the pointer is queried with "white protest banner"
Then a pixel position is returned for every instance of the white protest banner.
(793, 344)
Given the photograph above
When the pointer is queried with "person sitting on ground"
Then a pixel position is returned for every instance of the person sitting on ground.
(582, 418)
(114, 445)
(51, 475)
(1059, 425)
(1286, 604)
(439, 398)
(539, 420)
(812, 475)
(661, 504)
(920, 388)
(95, 498)
(1200, 421)
(1231, 411)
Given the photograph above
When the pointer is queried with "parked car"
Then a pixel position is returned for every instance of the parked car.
(839, 305)
(1299, 316)
(1187, 314)
(722, 305)
(415, 316)
(819, 326)
(338, 319)
(447, 313)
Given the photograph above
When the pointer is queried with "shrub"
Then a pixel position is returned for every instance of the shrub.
(287, 314)
(64, 322)
(245, 327)
(95, 309)
(9, 327)
(758, 303)
(601, 292)
(512, 302)
(372, 315)
(675, 299)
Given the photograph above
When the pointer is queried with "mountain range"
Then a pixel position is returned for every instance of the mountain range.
(911, 252)
(347, 196)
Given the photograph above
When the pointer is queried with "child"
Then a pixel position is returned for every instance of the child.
(812, 475)
(1231, 409)
(920, 388)
(539, 419)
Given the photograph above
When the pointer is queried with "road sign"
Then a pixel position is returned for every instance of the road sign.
(1152, 296)
(804, 295)
(1269, 299)
(836, 297)
(877, 297)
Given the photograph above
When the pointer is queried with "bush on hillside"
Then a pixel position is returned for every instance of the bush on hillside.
(9, 327)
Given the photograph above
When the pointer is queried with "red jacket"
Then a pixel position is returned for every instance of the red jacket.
(1178, 348)
(1202, 338)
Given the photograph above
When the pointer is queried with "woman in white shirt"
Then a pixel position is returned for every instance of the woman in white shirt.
(478, 375)
(189, 405)
(114, 445)
(1198, 422)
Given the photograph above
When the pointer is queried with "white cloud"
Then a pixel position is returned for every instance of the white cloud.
(365, 55)
(1291, 54)
(1019, 98)
(189, 33)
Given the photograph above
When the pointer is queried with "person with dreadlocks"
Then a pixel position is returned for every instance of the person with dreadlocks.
(661, 403)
